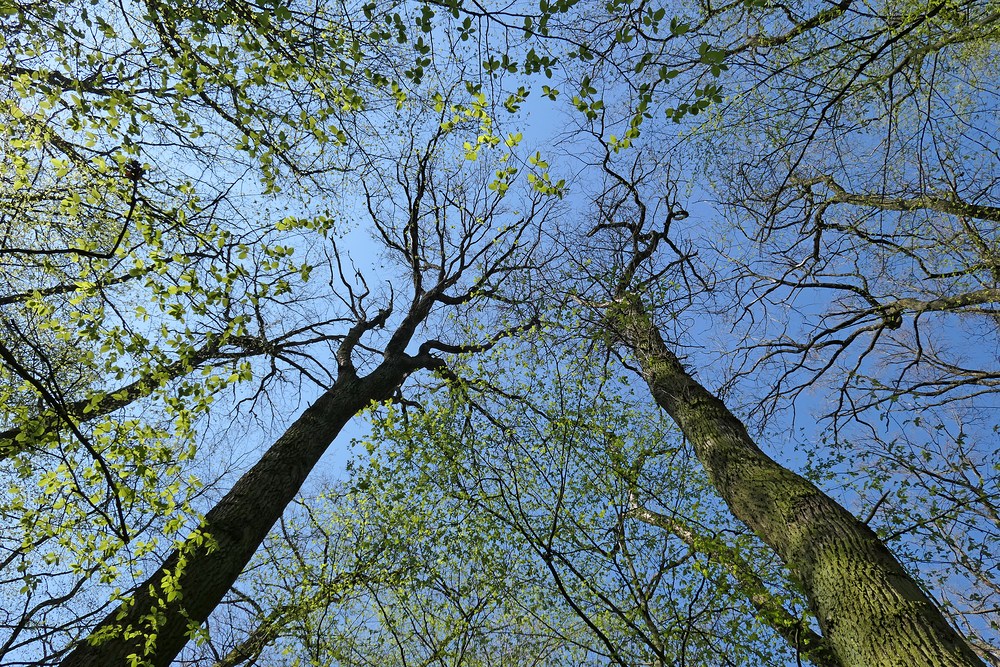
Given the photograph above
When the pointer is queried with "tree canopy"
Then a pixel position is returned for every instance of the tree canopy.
(453, 333)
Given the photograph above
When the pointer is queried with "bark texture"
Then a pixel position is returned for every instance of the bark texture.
(869, 609)
(154, 625)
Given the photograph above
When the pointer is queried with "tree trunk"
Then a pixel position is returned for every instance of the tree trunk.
(160, 618)
(869, 609)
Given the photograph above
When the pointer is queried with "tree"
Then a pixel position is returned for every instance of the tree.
(852, 581)
(216, 275)
(455, 246)
(815, 107)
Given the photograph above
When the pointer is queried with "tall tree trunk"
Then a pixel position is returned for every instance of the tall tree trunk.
(156, 623)
(869, 609)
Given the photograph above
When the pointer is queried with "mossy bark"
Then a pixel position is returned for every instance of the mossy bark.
(152, 627)
(869, 608)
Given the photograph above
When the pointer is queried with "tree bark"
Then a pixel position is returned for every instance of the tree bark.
(868, 607)
(152, 627)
